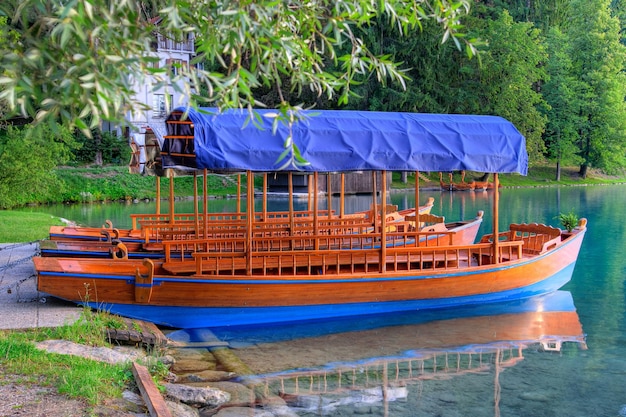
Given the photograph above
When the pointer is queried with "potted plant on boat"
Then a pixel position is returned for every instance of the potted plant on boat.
(568, 220)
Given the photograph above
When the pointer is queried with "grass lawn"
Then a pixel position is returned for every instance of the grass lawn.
(17, 226)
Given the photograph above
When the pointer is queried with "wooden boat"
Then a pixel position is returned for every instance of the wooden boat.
(433, 231)
(325, 266)
(158, 225)
(456, 186)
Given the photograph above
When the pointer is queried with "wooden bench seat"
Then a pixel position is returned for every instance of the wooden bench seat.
(426, 222)
(536, 238)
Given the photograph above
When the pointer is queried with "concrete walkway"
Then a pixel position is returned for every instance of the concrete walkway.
(21, 305)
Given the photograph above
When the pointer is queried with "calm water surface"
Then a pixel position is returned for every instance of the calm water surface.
(562, 355)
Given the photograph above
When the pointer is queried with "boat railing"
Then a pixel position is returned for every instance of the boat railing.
(183, 231)
(141, 220)
(300, 226)
(160, 228)
(157, 229)
(229, 257)
(284, 215)
(342, 235)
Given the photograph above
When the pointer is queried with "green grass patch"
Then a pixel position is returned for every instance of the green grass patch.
(74, 376)
(114, 183)
(17, 226)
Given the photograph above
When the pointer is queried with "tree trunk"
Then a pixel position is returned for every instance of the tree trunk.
(484, 177)
(558, 171)
(403, 177)
(97, 137)
(583, 171)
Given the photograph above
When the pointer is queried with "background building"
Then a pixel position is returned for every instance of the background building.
(173, 55)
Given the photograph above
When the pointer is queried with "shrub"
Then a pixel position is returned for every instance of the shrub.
(28, 157)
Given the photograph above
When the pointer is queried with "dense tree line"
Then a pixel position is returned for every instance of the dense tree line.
(554, 68)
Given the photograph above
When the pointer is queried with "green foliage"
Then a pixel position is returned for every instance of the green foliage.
(510, 69)
(564, 92)
(560, 93)
(568, 220)
(115, 183)
(27, 159)
(598, 59)
(112, 148)
(542, 13)
(89, 328)
(76, 61)
(436, 82)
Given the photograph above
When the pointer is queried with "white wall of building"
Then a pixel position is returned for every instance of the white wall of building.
(160, 101)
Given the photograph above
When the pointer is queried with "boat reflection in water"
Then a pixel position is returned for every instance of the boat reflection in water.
(320, 367)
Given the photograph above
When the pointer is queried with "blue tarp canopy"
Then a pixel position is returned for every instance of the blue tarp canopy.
(343, 140)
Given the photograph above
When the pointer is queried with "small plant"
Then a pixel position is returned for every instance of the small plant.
(568, 220)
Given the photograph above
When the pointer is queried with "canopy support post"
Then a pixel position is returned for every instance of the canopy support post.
(249, 221)
(316, 226)
(171, 177)
(205, 201)
(417, 197)
(264, 208)
(374, 201)
(158, 195)
(383, 222)
(329, 194)
(342, 203)
(195, 204)
(291, 212)
(310, 190)
(239, 193)
(496, 227)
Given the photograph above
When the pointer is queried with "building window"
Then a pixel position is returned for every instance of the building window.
(162, 104)
(176, 65)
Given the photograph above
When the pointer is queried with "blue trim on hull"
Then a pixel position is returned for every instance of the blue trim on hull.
(197, 317)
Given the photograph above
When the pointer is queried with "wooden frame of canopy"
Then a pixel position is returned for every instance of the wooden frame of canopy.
(376, 207)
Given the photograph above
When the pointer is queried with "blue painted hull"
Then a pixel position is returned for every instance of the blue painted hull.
(196, 317)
